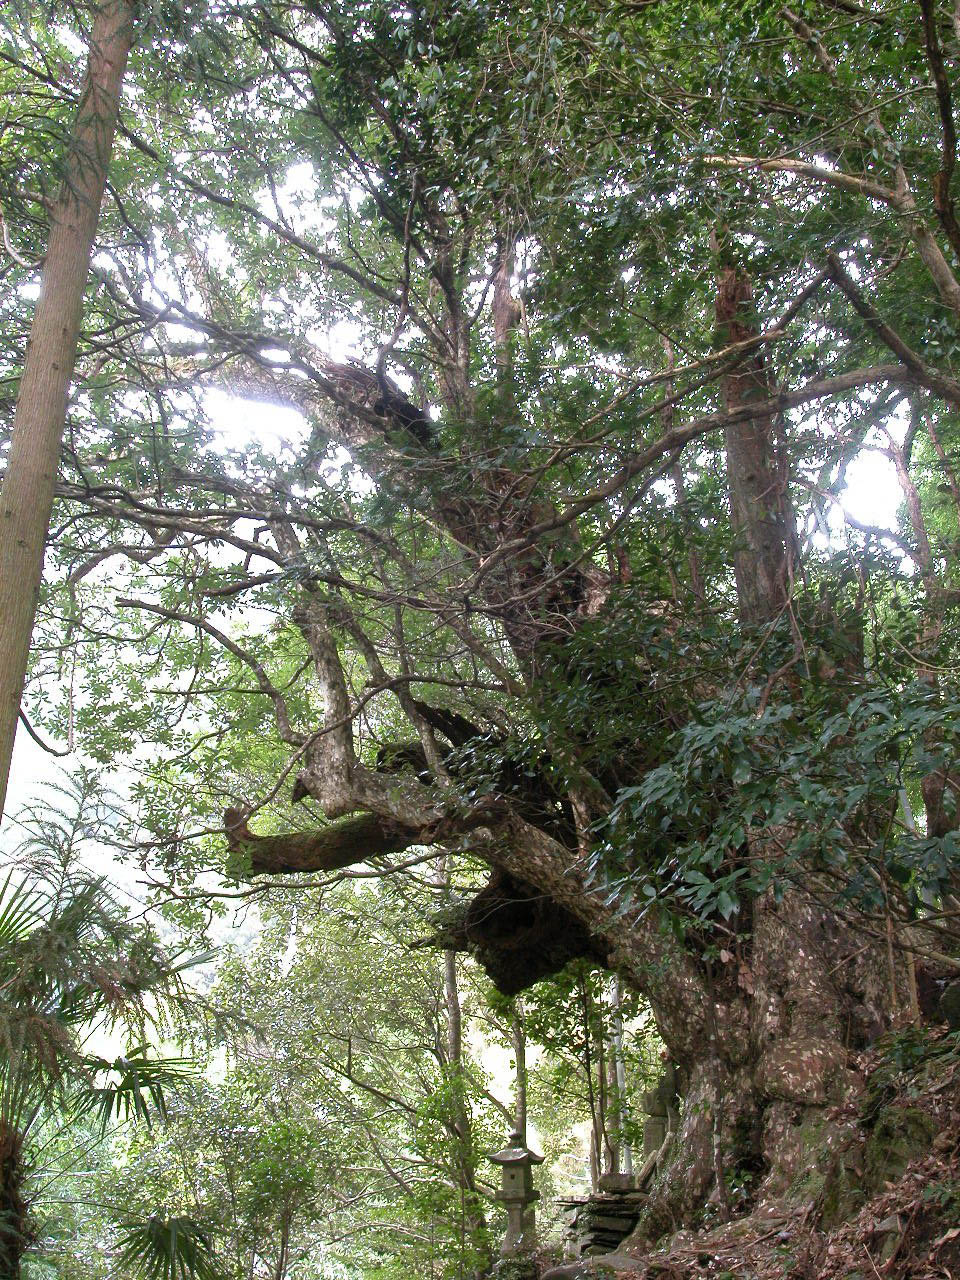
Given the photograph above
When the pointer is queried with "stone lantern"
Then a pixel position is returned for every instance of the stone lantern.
(517, 1193)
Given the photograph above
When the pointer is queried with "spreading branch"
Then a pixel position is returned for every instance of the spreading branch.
(921, 372)
(331, 848)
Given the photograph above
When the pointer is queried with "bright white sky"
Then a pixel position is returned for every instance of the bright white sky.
(873, 492)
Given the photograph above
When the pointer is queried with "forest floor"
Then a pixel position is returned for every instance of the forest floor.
(887, 1208)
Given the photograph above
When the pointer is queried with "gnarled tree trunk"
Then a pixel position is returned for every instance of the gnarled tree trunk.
(762, 1042)
(783, 1017)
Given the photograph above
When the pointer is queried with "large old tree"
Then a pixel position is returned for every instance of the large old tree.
(584, 314)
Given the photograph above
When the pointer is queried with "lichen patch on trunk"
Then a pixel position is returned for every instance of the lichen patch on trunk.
(802, 1069)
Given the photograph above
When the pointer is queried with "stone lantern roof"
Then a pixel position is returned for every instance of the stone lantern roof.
(516, 1152)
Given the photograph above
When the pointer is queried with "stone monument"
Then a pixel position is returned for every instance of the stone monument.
(517, 1194)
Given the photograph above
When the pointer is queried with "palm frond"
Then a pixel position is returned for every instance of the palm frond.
(169, 1249)
(19, 912)
(137, 1087)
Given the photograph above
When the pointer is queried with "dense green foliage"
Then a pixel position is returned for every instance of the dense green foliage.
(406, 475)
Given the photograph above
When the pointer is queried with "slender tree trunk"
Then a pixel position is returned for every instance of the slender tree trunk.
(604, 1096)
(280, 1270)
(619, 1085)
(595, 1103)
(518, 1035)
(464, 1154)
(611, 1109)
(473, 1220)
(26, 498)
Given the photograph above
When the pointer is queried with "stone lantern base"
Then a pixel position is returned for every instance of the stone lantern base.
(520, 1266)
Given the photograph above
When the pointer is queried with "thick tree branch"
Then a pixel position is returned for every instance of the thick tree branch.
(526, 856)
(898, 197)
(331, 848)
(943, 201)
(805, 169)
(922, 373)
(329, 774)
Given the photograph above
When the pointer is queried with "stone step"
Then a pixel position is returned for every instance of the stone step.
(609, 1222)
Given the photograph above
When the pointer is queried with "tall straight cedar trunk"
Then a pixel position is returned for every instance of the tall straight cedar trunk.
(26, 497)
(753, 484)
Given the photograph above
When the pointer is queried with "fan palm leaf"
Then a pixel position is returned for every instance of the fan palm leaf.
(135, 1088)
(168, 1249)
